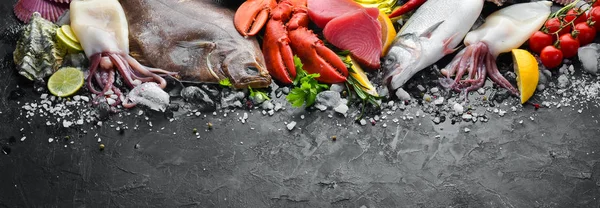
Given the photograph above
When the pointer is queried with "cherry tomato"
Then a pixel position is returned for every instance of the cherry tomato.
(551, 57)
(597, 3)
(539, 40)
(568, 45)
(572, 15)
(594, 15)
(553, 25)
(587, 34)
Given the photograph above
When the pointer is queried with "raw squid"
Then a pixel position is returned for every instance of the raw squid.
(101, 27)
(503, 30)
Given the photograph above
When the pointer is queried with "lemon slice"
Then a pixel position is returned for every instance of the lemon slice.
(388, 32)
(526, 68)
(361, 77)
(65, 41)
(65, 82)
(66, 29)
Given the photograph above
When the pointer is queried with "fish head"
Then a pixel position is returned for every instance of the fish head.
(401, 61)
(243, 65)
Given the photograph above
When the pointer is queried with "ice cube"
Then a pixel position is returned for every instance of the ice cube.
(588, 55)
(402, 94)
(342, 109)
(330, 99)
(291, 125)
(151, 95)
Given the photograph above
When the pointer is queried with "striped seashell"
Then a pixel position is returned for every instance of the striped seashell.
(563, 2)
(48, 9)
(61, 1)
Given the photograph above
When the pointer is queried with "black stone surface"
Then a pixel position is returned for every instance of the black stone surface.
(551, 161)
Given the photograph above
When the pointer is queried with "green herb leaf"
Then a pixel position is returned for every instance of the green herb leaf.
(306, 87)
(225, 83)
(296, 97)
(257, 94)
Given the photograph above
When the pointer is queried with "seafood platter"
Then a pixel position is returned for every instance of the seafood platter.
(300, 103)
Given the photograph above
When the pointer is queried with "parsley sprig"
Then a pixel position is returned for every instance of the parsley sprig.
(258, 95)
(306, 87)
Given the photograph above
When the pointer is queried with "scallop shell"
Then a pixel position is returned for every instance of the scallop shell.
(48, 9)
(61, 1)
(563, 2)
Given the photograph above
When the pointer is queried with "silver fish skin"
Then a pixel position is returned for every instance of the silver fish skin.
(433, 31)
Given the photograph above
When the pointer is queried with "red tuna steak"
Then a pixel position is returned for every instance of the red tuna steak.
(359, 33)
(323, 11)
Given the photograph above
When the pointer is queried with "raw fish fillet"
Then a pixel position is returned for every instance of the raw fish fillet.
(323, 11)
(359, 33)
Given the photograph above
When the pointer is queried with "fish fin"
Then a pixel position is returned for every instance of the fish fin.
(197, 44)
(427, 33)
(447, 49)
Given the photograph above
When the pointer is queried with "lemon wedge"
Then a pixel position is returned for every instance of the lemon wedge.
(65, 82)
(66, 42)
(388, 32)
(360, 76)
(528, 75)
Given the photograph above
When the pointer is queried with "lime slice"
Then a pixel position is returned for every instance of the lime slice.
(65, 82)
(66, 29)
(66, 42)
(526, 68)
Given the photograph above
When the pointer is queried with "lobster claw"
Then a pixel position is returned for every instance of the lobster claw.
(252, 15)
(278, 54)
(316, 57)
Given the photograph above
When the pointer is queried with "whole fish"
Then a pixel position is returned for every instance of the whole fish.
(432, 32)
(195, 38)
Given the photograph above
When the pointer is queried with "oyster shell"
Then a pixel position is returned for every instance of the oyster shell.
(37, 54)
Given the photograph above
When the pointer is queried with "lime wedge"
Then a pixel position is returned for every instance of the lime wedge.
(66, 29)
(65, 82)
(66, 42)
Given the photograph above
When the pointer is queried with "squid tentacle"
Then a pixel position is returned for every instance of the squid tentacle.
(92, 72)
(132, 73)
(140, 68)
(495, 75)
(121, 67)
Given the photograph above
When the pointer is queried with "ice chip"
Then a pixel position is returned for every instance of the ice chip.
(151, 95)
(342, 109)
(588, 55)
(402, 95)
(329, 99)
(291, 125)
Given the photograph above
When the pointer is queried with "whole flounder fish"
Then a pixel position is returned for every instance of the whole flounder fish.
(195, 38)
(436, 28)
